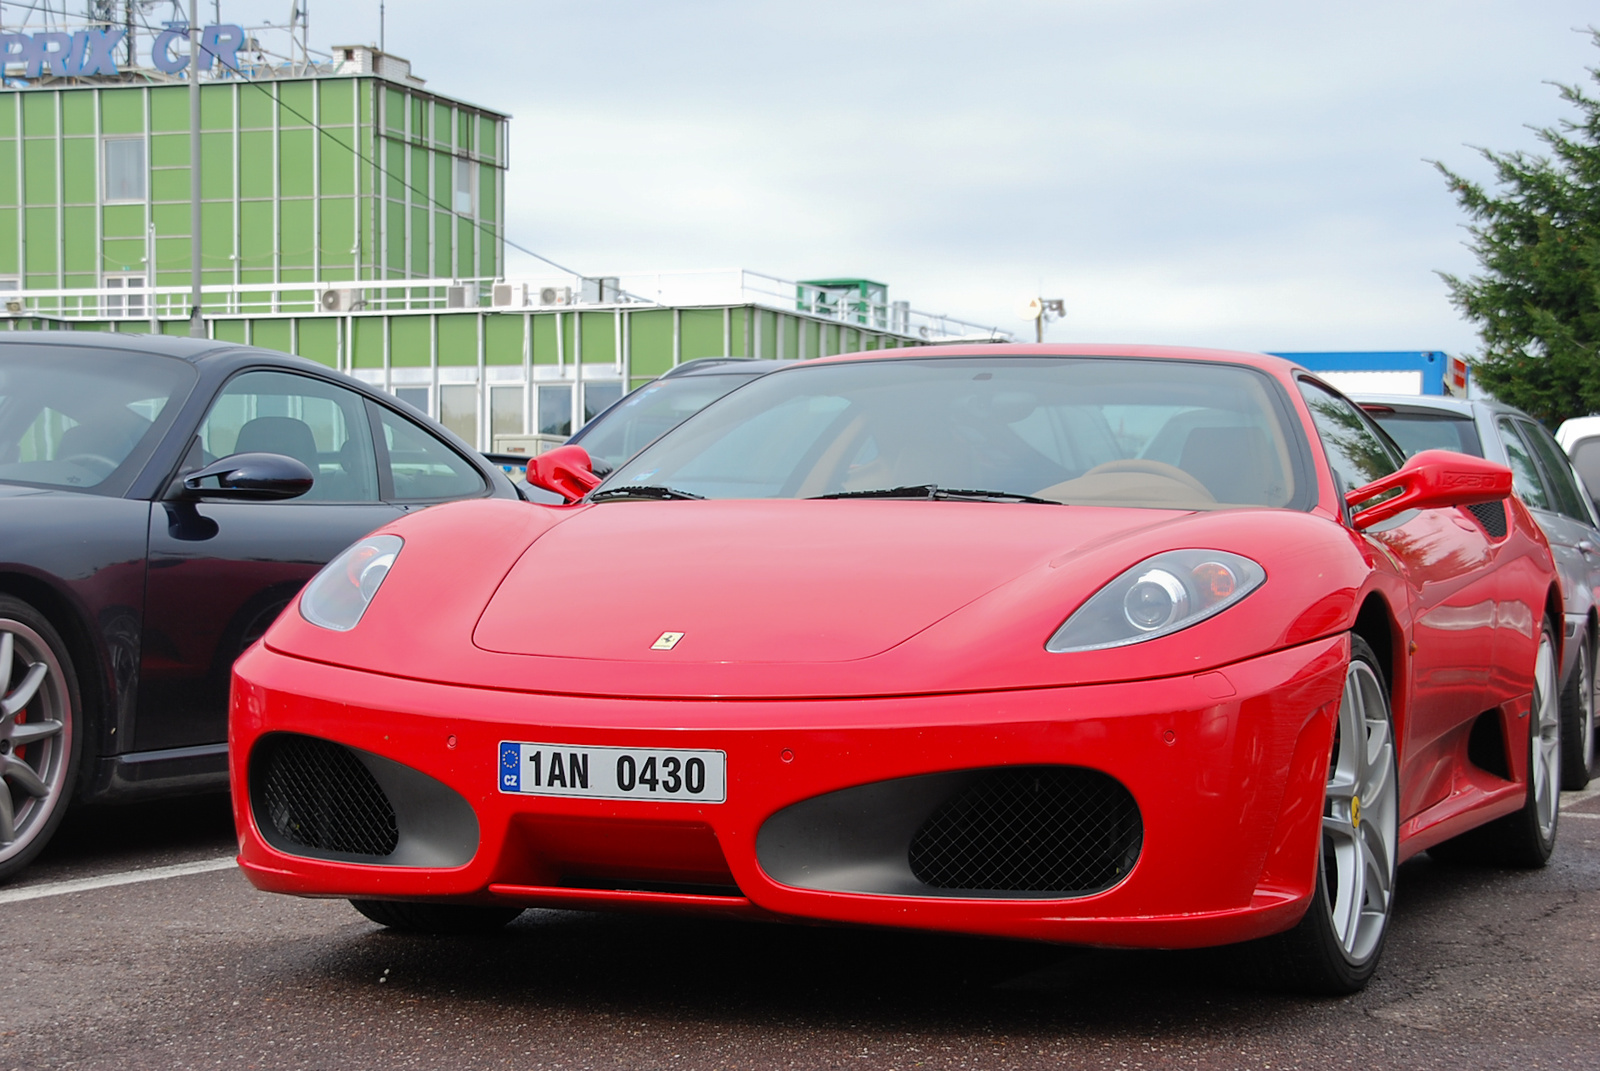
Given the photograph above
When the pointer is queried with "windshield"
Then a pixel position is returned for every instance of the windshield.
(649, 412)
(1082, 430)
(73, 417)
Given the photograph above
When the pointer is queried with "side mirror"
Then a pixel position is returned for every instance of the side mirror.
(1431, 479)
(251, 476)
(566, 471)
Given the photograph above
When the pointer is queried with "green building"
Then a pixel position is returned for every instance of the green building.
(354, 217)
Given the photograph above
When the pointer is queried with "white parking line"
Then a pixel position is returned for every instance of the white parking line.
(106, 881)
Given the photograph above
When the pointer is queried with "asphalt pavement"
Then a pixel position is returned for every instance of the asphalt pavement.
(134, 943)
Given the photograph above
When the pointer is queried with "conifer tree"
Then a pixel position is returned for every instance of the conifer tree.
(1537, 238)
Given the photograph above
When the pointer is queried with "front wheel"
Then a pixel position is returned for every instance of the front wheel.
(1335, 948)
(39, 742)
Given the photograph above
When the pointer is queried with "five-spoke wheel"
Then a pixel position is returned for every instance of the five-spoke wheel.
(1335, 947)
(38, 748)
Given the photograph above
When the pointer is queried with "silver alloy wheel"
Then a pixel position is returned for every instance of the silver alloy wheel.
(35, 736)
(1360, 826)
(1589, 685)
(1545, 754)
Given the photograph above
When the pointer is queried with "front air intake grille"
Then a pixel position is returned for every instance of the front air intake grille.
(316, 794)
(1492, 515)
(1031, 829)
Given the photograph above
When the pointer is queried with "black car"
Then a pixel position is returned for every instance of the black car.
(161, 500)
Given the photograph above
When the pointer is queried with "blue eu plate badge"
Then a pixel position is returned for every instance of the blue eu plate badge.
(510, 768)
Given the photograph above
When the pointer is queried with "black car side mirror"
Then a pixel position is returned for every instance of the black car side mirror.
(251, 476)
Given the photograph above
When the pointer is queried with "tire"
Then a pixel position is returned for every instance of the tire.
(412, 917)
(1335, 948)
(40, 733)
(1527, 837)
(1577, 721)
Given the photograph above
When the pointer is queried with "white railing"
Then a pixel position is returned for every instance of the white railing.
(546, 293)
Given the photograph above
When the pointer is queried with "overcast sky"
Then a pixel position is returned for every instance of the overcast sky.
(1245, 174)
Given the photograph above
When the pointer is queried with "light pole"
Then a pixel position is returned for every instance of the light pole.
(197, 323)
(1041, 311)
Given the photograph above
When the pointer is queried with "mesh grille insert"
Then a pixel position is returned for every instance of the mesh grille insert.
(1492, 515)
(1031, 829)
(317, 794)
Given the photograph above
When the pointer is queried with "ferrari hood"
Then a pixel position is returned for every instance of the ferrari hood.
(784, 581)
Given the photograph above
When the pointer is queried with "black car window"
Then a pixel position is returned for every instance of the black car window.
(1525, 474)
(650, 412)
(421, 468)
(317, 423)
(1557, 470)
(84, 419)
(1357, 453)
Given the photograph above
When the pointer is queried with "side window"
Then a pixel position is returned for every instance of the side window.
(1558, 470)
(1356, 453)
(420, 466)
(321, 425)
(1526, 477)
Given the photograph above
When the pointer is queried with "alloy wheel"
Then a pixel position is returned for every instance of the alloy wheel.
(1360, 826)
(1545, 754)
(35, 736)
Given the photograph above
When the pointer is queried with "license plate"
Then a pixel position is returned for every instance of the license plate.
(613, 773)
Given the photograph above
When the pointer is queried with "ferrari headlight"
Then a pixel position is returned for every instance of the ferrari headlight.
(338, 596)
(1158, 597)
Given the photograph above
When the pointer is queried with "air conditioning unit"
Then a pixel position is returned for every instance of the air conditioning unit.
(555, 295)
(13, 306)
(601, 290)
(339, 300)
(508, 295)
(455, 297)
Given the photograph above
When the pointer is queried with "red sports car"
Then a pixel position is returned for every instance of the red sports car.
(1115, 645)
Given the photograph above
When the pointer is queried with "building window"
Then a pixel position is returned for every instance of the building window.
(124, 169)
(414, 396)
(130, 305)
(458, 411)
(555, 410)
(505, 412)
(597, 395)
(464, 201)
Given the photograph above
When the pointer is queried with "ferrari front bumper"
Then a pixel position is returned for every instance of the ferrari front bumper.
(1226, 769)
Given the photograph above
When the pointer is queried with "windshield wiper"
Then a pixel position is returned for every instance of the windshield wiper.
(641, 491)
(935, 493)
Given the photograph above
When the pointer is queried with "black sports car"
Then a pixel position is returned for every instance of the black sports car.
(161, 500)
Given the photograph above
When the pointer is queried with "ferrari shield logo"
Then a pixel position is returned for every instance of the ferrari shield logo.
(666, 641)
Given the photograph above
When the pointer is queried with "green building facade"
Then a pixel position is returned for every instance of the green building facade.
(354, 218)
(302, 179)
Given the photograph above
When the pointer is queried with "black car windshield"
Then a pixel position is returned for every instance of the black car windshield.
(1083, 430)
(654, 409)
(72, 417)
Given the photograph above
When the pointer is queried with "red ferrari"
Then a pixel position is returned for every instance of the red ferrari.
(1113, 645)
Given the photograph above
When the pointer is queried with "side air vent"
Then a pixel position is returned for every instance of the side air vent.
(1000, 832)
(1492, 515)
(1031, 829)
(316, 794)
